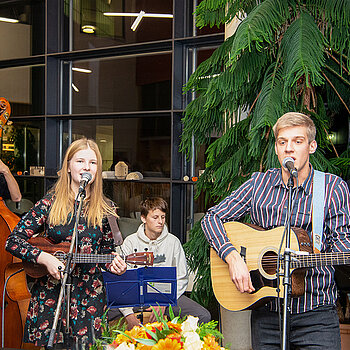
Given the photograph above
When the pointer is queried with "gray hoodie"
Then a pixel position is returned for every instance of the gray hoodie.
(166, 244)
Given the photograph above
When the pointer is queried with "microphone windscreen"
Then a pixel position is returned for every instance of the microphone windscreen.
(86, 177)
(286, 160)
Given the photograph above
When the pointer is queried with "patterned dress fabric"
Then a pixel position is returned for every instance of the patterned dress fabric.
(88, 298)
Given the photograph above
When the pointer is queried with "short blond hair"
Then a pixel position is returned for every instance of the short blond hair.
(291, 119)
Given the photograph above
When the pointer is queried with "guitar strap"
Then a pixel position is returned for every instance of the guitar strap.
(318, 202)
(112, 220)
(118, 239)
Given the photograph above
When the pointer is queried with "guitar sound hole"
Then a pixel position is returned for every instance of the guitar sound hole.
(269, 263)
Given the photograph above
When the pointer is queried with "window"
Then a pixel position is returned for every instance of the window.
(138, 83)
(100, 23)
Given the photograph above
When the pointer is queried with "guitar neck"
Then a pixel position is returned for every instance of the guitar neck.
(322, 259)
(89, 258)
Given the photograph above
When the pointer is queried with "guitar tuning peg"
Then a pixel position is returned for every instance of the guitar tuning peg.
(135, 250)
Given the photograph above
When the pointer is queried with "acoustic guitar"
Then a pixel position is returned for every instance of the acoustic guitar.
(60, 250)
(261, 252)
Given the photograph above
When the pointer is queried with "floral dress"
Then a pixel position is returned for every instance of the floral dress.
(88, 298)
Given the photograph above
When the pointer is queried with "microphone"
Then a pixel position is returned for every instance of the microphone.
(289, 164)
(85, 179)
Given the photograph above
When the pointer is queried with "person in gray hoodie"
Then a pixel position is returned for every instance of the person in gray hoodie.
(153, 236)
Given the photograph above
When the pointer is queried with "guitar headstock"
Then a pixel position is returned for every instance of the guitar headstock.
(5, 112)
(140, 258)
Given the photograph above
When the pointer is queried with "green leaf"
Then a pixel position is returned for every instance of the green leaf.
(149, 342)
(259, 26)
(300, 58)
(150, 333)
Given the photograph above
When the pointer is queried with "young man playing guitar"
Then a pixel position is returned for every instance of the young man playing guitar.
(314, 321)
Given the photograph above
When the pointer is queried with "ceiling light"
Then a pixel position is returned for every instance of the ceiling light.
(82, 70)
(132, 14)
(8, 20)
(138, 16)
(75, 88)
(137, 20)
(88, 29)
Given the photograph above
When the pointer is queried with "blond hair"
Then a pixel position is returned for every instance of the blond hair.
(63, 205)
(291, 119)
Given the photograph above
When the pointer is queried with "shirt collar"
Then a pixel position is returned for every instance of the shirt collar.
(306, 185)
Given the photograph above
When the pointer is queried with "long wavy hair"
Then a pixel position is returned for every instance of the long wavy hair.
(96, 206)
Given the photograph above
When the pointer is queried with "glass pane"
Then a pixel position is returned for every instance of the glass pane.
(136, 83)
(128, 195)
(191, 6)
(142, 143)
(102, 23)
(22, 145)
(24, 89)
(32, 189)
(22, 22)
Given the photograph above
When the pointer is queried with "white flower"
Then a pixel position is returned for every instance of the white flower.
(126, 346)
(190, 325)
(192, 341)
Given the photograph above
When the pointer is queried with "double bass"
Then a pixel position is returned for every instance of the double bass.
(17, 295)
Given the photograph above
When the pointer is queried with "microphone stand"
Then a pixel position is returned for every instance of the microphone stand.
(66, 272)
(287, 276)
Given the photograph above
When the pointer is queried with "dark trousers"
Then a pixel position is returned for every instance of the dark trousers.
(316, 329)
(185, 306)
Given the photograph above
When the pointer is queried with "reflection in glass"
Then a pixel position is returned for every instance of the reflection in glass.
(23, 87)
(94, 26)
(128, 195)
(138, 83)
(22, 145)
(32, 189)
(142, 143)
(26, 29)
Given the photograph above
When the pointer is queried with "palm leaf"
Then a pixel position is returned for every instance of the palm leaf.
(259, 26)
(301, 59)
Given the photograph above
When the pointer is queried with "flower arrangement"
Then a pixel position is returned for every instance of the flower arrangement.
(176, 334)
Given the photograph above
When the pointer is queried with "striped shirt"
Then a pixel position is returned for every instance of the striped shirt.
(265, 198)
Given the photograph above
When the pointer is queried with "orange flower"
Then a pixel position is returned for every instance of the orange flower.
(143, 347)
(175, 336)
(121, 338)
(152, 327)
(210, 343)
(175, 326)
(167, 344)
(136, 332)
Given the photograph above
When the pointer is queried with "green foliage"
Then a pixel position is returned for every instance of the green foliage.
(108, 332)
(259, 27)
(210, 328)
(286, 55)
(199, 263)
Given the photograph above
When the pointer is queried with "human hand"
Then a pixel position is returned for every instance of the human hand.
(239, 272)
(132, 321)
(53, 265)
(158, 309)
(118, 265)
